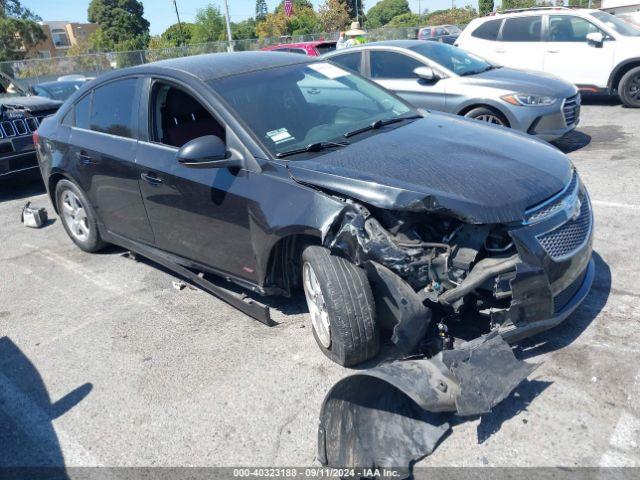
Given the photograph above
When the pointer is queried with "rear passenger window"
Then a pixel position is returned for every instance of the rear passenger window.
(82, 112)
(488, 30)
(114, 108)
(392, 65)
(522, 29)
(350, 61)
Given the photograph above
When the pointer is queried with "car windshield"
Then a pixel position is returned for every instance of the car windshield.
(620, 26)
(293, 107)
(58, 90)
(452, 58)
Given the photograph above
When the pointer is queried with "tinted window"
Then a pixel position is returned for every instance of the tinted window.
(82, 112)
(350, 61)
(113, 108)
(392, 65)
(488, 30)
(325, 48)
(522, 29)
(564, 28)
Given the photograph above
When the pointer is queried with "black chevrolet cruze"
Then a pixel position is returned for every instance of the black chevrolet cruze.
(274, 172)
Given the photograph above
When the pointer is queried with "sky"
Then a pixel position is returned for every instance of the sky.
(161, 14)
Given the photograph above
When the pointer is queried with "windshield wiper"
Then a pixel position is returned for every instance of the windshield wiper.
(476, 72)
(379, 124)
(312, 147)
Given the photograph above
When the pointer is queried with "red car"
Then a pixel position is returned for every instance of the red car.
(313, 49)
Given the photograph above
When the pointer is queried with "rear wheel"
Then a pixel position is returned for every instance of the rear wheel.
(78, 217)
(341, 307)
(629, 88)
(487, 115)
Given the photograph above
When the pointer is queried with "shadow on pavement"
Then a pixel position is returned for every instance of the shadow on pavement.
(27, 437)
(597, 99)
(572, 141)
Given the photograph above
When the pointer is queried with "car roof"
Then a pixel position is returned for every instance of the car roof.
(314, 43)
(59, 82)
(218, 65)
(395, 43)
(541, 11)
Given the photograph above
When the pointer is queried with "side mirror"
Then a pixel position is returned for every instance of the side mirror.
(595, 38)
(426, 73)
(207, 152)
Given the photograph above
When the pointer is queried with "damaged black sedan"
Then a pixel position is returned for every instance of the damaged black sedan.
(276, 172)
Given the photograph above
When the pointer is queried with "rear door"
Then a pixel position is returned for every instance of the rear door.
(103, 150)
(483, 40)
(394, 71)
(570, 56)
(520, 43)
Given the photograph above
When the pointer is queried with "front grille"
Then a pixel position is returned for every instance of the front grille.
(571, 110)
(555, 203)
(20, 127)
(564, 297)
(570, 236)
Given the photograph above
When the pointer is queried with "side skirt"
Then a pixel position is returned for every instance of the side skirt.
(249, 306)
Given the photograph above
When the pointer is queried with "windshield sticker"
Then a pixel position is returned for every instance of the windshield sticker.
(328, 70)
(280, 136)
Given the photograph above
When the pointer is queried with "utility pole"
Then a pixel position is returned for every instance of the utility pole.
(357, 13)
(419, 13)
(229, 36)
(179, 24)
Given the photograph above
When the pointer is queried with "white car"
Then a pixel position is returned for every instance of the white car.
(590, 48)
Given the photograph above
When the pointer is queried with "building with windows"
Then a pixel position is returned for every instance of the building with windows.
(617, 7)
(61, 36)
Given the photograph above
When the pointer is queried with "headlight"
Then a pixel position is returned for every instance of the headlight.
(520, 99)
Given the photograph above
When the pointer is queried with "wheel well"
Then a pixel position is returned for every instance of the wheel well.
(468, 108)
(53, 181)
(283, 268)
(620, 73)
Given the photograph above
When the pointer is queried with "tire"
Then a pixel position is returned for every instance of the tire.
(78, 216)
(353, 335)
(629, 88)
(488, 115)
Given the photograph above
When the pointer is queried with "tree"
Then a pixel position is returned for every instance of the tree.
(19, 31)
(455, 16)
(333, 16)
(176, 35)
(513, 4)
(261, 10)
(351, 7)
(244, 30)
(303, 22)
(209, 25)
(405, 20)
(382, 12)
(485, 7)
(297, 5)
(122, 25)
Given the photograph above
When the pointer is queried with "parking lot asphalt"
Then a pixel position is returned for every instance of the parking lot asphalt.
(104, 362)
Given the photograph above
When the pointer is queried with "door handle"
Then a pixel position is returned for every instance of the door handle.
(553, 51)
(499, 50)
(313, 91)
(151, 179)
(84, 158)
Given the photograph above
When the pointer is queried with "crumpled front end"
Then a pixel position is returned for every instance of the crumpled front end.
(437, 278)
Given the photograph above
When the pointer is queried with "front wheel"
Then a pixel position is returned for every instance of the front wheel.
(487, 115)
(78, 217)
(341, 307)
(629, 88)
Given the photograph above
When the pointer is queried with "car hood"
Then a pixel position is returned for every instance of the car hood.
(30, 103)
(443, 163)
(523, 81)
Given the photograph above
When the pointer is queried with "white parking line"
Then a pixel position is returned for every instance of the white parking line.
(628, 206)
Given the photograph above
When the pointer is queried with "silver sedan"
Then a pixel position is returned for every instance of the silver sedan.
(442, 77)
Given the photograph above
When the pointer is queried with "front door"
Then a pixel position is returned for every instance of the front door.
(103, 147)
(394, 71)
(570, 56)
(200, 214)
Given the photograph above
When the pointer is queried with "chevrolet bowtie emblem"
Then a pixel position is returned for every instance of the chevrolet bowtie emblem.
(574, 212)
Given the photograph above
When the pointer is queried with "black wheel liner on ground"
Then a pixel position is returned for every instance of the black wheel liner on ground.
(391, 416)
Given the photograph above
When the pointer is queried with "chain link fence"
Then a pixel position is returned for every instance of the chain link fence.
(33, 71)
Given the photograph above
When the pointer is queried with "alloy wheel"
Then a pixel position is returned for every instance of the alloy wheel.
(493, 119)
(317, 305)
(634, 88)
(75, 216)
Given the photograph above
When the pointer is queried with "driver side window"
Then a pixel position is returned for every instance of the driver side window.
(177, 117)
(566, 28)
